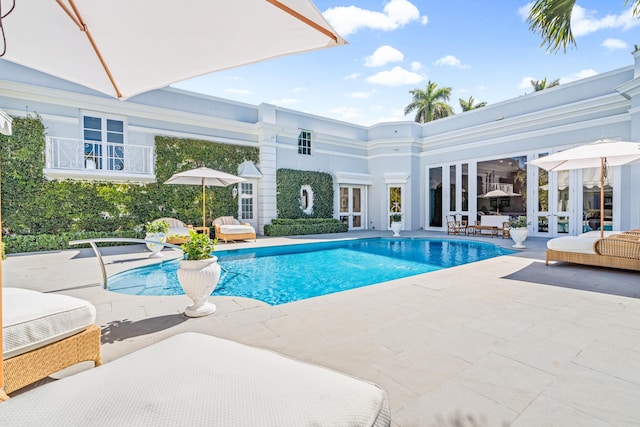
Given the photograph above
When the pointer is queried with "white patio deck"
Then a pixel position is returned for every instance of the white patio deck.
(506, 340)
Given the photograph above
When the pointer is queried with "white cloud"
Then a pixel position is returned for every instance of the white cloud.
(397, 76)
(396, 13)
(415, 66)
(358, 95)
(351, 76)
(284, 101)
(525, 83)
(450, 61)
(382, 56)
(614, 44)
(524, 11)
(297, 89)
(376, 107)
(347, 113)
(577, 76)
(238, 91)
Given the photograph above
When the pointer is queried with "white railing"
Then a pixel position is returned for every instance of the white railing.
(76, 154)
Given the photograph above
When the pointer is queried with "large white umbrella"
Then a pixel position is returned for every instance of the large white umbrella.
(204, 177)
(598, 154)
(126, 47)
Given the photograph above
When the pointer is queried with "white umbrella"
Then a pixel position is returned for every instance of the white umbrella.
(497, 194)
(123, 47)
(5, 123)
(204, 176)
(601, 153)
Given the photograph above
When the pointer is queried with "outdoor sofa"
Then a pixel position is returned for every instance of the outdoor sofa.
(229, 228)
(45, 333)
(615, 250)
(200, 380)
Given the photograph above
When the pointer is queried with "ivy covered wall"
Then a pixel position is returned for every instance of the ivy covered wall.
(32, 205)
(289, 182)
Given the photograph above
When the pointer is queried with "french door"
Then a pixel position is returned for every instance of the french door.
(554, 212)
(352, 206)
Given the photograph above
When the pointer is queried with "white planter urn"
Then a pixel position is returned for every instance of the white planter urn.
(518, 235)
(198, 280)
(155, 249)
(396, 227)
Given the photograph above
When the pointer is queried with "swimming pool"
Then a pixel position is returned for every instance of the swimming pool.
(281, 274)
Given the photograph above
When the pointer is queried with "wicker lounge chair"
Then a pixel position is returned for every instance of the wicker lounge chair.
(229, 228)
(178, 230)
(456, 225)
(614, 251)
(45, 333)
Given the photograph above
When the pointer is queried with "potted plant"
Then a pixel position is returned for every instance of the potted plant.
(518, 231)
(199, 273)
(396, 223)
(156, 231)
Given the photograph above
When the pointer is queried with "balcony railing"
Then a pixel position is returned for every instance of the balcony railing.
(95, 157)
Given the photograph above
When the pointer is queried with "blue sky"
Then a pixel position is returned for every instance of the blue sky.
(478, 48)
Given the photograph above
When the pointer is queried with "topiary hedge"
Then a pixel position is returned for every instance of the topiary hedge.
(289, 182)
(294, 227)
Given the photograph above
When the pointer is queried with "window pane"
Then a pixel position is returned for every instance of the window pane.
(92, 123)
(452, 192)
(357, 206)
(115, 126)
(435, 197)
(92, 135)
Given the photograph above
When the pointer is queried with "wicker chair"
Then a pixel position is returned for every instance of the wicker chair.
(45, 333)
(616, 251)
(228, 228)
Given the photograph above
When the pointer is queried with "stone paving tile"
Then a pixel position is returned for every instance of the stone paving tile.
(540, 353)
(546, 412)
(626, 337)
(565, 332)
(600, 395)
(450, 403)
(613, 360)
(506, 381)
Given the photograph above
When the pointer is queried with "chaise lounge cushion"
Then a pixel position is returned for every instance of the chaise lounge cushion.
(576, 244)
(196, 379)
(33, 319)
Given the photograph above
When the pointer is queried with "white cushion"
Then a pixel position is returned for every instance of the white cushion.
(493, 220)
(596, 234)
(33, 319)
(193, 379)
(178, 231)
(236, 229)
(577, 244)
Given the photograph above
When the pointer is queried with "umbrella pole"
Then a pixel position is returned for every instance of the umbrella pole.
(602, 159)
(203, 223)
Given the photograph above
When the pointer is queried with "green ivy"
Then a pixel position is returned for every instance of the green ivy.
(293, 227)
(36, 213)
(289, 181)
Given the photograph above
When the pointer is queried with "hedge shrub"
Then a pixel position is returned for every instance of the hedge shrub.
(289, 182)
(294, 227)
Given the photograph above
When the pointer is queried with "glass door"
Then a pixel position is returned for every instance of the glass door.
(553, 212)
(395, 202)
(247, 201)
(352, 206)
(435, 202)
(458, 195)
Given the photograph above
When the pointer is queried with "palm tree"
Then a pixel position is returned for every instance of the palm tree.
(539, 85)
(552, 20)
(471, 104)
(430, 104)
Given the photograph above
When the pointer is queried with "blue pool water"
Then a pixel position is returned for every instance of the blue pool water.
(277, 275)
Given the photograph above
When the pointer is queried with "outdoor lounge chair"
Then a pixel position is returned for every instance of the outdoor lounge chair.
(178, 230)
(196, 379)
(45, 333)
(229, 228)
(616, 250)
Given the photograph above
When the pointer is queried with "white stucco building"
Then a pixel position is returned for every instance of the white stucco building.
(424, 171)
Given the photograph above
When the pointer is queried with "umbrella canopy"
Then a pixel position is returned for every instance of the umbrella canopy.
(600, 154)
(123, 48)
(204, 177)
(497, 194)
